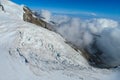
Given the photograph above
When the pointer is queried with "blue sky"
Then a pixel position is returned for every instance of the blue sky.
(102, 7)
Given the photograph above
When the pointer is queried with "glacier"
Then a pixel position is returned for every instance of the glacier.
(30, 52)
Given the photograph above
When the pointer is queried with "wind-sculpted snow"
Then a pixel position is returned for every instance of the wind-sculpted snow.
(12, 9)
(30, 52)
(42, 46)
(36, 53)
(26, 45)
(42, 54)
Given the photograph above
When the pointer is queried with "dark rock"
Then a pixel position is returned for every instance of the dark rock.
(1, 7)
(29, 16)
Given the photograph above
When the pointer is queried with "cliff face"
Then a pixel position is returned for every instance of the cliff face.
(1, 7)
(29, 16)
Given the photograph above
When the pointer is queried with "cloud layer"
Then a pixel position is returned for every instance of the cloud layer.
(81, 32)
(84, 33)
(101, 32)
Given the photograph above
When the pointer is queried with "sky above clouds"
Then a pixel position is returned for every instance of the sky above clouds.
(92, 7)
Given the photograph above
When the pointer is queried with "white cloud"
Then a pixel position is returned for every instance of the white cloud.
(109, 43)
(77, 13)
(45, 14)
(94, 14)
(82, 33)
(87, 39)
(98, 25)
(75, 29)
(88, 13)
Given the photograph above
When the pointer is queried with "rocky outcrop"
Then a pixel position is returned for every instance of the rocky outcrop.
(1, 7)
(30, 17)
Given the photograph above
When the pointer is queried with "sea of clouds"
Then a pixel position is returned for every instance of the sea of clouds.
(104, 32)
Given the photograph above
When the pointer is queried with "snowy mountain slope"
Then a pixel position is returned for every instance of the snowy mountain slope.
(12, 9)
(30, 52)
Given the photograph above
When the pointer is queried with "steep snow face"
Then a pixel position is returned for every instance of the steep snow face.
(13, 10)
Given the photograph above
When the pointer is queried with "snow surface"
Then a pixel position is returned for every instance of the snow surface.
(12, 9)
(30, 52)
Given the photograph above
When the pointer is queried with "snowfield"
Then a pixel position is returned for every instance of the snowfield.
(30, 52)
